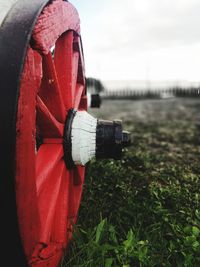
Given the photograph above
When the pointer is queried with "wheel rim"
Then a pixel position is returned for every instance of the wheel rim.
(47, 193)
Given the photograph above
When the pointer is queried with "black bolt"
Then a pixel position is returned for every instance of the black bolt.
(95, 101)
(110, 139)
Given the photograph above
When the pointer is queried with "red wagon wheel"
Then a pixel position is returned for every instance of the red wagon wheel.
(46, 133)
(42, 78)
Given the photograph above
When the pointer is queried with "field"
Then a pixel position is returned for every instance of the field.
(145, 209)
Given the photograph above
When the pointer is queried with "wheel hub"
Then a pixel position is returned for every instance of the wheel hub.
(86, 137)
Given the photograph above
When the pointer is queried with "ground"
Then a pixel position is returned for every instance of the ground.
(144, 209)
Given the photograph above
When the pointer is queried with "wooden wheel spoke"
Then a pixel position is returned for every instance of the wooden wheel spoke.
(83, 103)
(48, 126)
(59, 230)
(81, 65)
(64, 66)
(75, 61)
(47, 152)
(78, 95)
(49, 171)
(50, 90)
(79, 175)
(75, 192)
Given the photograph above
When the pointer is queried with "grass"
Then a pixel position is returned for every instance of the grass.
(144, 210)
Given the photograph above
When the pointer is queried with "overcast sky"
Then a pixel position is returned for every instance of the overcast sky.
(141, 39)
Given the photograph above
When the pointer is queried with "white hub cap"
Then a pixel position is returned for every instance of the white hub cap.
(83, 137)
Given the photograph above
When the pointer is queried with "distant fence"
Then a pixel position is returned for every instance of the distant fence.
(151, 94)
